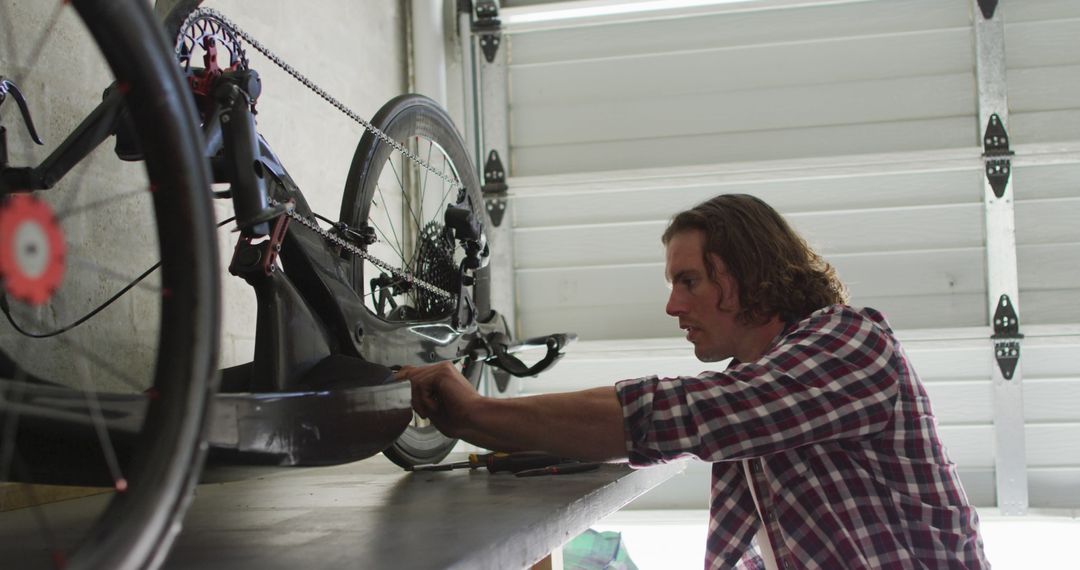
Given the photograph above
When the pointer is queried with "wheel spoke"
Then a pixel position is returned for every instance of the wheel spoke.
(97, 419)
(38, 45)
(102, 364)
(404, 192)
(449, 187)
(392, 245)
(101, 203)
(393, 230)
(397, 281)
(423, 185)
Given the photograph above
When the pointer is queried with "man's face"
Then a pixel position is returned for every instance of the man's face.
(705, 308)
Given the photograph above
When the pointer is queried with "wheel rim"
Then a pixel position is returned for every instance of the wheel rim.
(387, 190)
(72, 404)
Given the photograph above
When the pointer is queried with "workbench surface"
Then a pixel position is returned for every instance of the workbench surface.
(371, 514)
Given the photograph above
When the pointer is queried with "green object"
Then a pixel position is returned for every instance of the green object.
(593, 550)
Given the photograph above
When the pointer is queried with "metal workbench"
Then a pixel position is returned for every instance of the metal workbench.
(371, 514)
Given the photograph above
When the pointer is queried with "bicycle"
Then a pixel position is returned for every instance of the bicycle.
(333, 315)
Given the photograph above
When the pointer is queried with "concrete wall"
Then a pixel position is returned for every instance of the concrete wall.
(353, 49)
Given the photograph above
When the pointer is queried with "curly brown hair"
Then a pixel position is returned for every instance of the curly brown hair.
(777, 272)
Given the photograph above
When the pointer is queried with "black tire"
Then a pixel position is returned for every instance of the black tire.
(419, 122)
(158, 462)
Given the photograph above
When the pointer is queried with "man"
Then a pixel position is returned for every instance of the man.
(823, 444)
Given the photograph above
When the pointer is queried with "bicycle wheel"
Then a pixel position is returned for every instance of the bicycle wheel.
(119, 401)
(404, 204)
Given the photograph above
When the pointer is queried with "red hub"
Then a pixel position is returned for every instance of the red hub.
(31, 249)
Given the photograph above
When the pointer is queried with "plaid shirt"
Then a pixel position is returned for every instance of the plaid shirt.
(843, 448)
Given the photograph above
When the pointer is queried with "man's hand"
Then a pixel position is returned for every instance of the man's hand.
(442, 394)
(584, 425)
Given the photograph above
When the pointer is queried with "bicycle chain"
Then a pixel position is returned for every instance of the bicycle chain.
(455, 185)
(291, 212)
(341, 242)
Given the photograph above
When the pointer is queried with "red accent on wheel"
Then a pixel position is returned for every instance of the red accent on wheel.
(31, 249)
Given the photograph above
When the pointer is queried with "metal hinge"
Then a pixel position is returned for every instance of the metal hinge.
(1006, 337)
(494, 174)
(997, 155)
(987, 7)
(488, 27)
(494, 188)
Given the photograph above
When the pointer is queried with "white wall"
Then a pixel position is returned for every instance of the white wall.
(355, 50)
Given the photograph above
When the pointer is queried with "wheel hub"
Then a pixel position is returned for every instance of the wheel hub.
(31, 249)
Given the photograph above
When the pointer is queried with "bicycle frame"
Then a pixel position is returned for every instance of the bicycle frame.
(98, 126)
(310, 310)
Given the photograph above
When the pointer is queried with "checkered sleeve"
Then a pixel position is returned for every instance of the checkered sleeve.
(829, 377)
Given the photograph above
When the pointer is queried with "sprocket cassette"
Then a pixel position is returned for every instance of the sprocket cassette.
(435, 265)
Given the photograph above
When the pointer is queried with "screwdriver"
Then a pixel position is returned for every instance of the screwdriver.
(560, 469)
(500, 461)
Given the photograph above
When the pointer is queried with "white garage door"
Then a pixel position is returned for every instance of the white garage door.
(858, 120)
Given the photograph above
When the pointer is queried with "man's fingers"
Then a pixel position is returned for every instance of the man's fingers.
(424, 398)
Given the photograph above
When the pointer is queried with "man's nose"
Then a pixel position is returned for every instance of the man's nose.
(675, 306)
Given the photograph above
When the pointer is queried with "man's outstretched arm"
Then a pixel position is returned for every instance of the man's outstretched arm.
(584, 425)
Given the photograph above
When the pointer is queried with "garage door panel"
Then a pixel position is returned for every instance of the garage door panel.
(1051, 399)
(1051, 356)
(1042, 42)
(1058, 306)
(602, 322)
(576, 246)
(1054, 220)
(686, 150)
(1050, 267)
(640, 200)
(969, 446)
(926, 97)
(591, 286)
(1038, 10)
(940, 272)
(844, 60)
(1044, 88)
(735, 29)
(929, 311)
(1046, 181)
(961, 402)
(1044, 126)
(900, 229)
